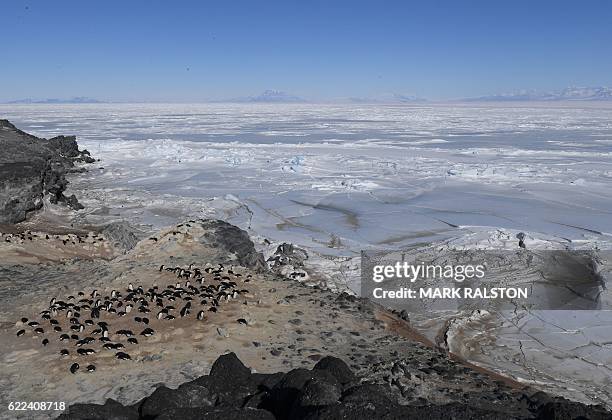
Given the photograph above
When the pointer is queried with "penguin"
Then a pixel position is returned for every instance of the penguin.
(20, 333)
(242, 321)
(130, 287)
(64, 352)
(132, 340)
(64, 337)
(57, 328)
(200, 315)
(122, 356)
(74, 368)
(39, 330)
(45, 342)
(91, 368)
(33, 324)
(185, 310)
(74, 337)
(24, 320)
(147, 332)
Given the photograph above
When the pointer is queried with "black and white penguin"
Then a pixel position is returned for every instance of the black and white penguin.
(200, 315)
(122, 356)
(147, 332)
(74, 368)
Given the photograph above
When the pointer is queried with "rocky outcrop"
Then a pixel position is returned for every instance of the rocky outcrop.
(288, 261)
(232, 244)
(328, 391)
(122, 235)
(32, 168)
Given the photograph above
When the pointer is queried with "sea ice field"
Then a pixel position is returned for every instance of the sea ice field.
(337, 179)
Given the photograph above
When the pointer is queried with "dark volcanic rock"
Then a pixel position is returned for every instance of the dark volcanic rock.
(287, 254)
(337, 368)
(215, 414)
(561, 409)
(229, 240)
(110, 410)
(189, 395)
(31, 168)
(231, 391)
(228, 367)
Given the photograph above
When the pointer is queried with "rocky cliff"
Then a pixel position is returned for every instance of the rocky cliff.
(32, 168)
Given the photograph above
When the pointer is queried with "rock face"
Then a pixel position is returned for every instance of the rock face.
(329, 391)
(123, 236)
(31, 167)
(233, 244)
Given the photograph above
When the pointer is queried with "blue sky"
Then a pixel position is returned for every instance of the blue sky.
(200, 50)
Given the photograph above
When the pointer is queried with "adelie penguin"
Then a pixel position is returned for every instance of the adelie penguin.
(74, 368)
(122, 356)
(20, 333)
(147, 332)
(91, 368)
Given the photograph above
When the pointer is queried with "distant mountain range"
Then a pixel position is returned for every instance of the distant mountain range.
(390, 98)
(567, 94)
(75, 100)
(270, 96)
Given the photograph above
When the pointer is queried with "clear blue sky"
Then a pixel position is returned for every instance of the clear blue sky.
(199, 50)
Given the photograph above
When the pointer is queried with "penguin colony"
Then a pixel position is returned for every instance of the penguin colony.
(83, 324)
(67, 239)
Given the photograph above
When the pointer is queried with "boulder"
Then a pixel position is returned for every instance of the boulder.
(110, 410)
(337, 368)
